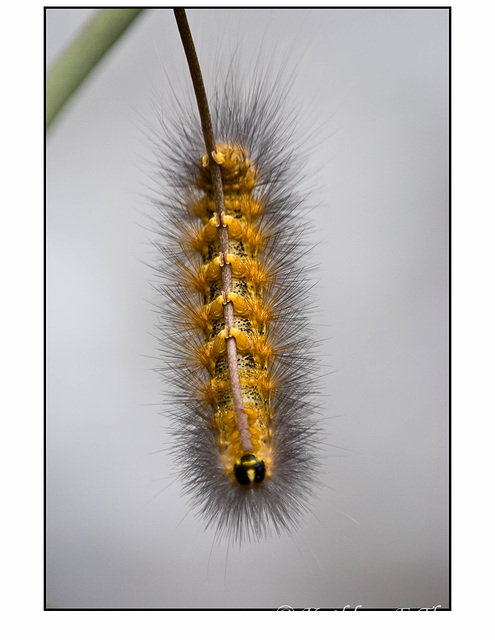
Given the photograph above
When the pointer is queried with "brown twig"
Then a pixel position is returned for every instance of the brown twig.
(223, 232)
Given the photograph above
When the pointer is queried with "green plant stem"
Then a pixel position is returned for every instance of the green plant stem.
(85, 51)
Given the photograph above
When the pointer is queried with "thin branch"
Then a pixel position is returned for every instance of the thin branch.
(223, 233)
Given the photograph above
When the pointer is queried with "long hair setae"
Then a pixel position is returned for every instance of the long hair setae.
(246, 482)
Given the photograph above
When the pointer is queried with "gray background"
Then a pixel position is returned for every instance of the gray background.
(118, 532)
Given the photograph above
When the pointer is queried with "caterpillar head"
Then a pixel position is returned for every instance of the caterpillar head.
(249, 470)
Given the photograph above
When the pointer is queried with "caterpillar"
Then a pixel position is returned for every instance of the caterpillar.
(247, 482)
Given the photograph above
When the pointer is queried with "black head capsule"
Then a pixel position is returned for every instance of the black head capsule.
(249, 470)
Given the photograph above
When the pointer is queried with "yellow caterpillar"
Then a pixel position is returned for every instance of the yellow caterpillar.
(245, 492)
(243, 219)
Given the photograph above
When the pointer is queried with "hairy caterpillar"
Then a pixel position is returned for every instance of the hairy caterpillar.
(253, 482)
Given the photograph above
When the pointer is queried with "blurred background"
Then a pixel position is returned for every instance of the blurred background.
(119, 535)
